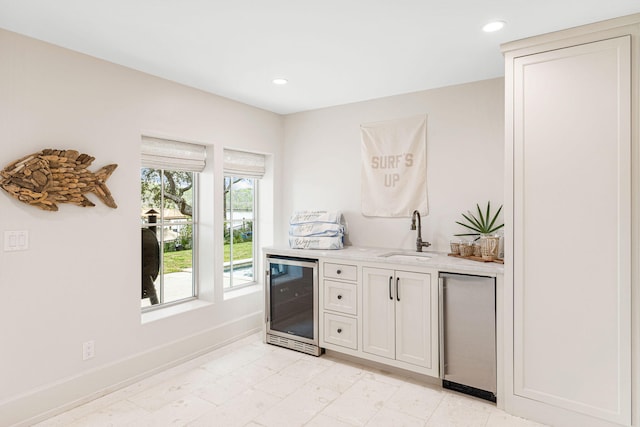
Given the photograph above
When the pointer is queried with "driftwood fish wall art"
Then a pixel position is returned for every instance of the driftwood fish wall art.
(51, 176)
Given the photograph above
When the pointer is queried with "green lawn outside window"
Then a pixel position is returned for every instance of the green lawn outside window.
(180, 260)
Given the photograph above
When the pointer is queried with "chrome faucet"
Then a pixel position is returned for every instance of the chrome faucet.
(419, 243)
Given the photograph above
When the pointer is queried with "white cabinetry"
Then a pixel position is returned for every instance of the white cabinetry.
(339, 306)
(399, 317)
(568, 215)
(388, 316)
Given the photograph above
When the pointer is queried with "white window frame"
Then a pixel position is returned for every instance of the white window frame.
(244, 164)
(169, 155)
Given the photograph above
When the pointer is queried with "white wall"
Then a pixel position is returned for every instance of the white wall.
(80, 278)
(465, 143)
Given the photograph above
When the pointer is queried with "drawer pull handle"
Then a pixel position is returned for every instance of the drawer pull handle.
(339, 296)
(339, 330)
(339, 271)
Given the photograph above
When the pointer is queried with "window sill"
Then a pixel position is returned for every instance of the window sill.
(173, 310)
(235, 293)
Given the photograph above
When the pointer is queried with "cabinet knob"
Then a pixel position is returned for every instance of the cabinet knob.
(339, 296)
(339, 272)
(339, 330)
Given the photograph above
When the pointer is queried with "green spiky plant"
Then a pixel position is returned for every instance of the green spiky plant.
(482, 224)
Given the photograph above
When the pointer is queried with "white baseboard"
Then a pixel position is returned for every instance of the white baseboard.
(59, 397)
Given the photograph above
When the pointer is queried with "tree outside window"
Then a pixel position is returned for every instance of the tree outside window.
(168, 226)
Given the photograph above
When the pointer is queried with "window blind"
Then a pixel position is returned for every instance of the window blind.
(244, 164)
(172, 155)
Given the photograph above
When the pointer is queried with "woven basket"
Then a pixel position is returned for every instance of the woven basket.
(466, 249)
(477, 250)
(455, 248)
(489, 246)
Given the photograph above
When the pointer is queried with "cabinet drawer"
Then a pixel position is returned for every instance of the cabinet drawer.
(339, 296)
(340, 330)
(341, 271)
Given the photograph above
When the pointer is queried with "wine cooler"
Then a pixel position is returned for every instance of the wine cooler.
(292, 303)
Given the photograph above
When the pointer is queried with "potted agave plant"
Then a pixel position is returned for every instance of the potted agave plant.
(482, 227)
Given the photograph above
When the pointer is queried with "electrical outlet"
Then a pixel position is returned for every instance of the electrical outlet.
(88, 350)
(16, 240)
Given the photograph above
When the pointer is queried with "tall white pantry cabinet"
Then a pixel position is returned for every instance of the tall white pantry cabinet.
(571, 209)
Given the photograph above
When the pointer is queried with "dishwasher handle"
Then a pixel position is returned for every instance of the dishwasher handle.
(441, 297)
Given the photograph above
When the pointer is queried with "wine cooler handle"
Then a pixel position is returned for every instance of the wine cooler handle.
(266, 300)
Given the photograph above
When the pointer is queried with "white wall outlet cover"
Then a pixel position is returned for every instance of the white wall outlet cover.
(16, 240)
(88, 350)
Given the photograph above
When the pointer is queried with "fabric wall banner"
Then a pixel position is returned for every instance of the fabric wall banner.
(394, 167)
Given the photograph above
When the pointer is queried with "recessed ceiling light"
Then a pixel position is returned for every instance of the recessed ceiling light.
(280, 81)
(493, 26)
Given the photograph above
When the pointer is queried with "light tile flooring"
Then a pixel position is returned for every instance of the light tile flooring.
(252, 384)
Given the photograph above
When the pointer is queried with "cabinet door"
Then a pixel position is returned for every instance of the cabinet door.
(414, 319)
(378, 312)
(572, 229)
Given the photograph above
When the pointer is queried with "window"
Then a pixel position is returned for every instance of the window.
(242, 172)
(239, 248)
(168, 195)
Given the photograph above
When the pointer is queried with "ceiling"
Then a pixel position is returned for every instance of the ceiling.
(332, 52)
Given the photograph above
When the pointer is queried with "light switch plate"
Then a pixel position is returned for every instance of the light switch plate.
(16, 240)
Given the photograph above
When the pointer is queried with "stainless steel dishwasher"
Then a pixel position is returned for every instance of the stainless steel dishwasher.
(468, 334)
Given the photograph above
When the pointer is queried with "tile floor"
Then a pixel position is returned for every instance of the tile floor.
(252, 384)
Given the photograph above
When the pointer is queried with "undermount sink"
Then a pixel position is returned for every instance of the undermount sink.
(406, 256)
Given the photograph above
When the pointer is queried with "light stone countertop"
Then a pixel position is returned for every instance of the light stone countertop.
(438, 260)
